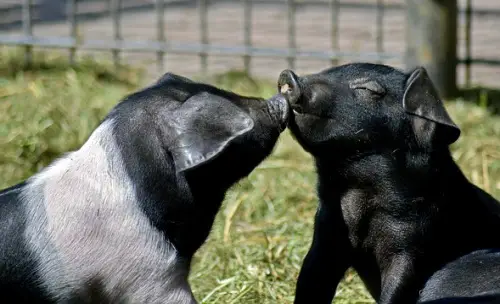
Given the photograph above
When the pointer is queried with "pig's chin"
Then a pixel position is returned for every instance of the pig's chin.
(298, 126)
(309, 129)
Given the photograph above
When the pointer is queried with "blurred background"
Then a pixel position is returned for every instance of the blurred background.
(65, 63)
(303, 34)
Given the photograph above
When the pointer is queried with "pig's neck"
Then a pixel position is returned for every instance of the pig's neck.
(414, 174)
(397, 184)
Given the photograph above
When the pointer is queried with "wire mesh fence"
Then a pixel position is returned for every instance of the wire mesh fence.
(326, 32)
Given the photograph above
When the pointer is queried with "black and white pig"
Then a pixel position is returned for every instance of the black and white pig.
(119, 220)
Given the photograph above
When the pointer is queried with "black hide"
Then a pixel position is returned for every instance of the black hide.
(393, 203)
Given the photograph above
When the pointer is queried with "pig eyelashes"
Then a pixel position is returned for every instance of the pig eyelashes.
(368, 84)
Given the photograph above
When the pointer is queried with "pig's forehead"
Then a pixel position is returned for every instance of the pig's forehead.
(351, 72)
(363, 69)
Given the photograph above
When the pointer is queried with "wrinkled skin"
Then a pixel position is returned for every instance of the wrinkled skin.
(392, 202)
(118, 220)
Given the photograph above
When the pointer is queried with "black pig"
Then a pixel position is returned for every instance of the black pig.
(393, 203)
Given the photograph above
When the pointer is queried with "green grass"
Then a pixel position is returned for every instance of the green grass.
(264, 228)
(51, 108)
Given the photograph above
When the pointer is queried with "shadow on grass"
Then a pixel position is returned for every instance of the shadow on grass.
(488, 98)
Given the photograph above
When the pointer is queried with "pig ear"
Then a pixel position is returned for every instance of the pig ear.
(431, 123)
(202, 127)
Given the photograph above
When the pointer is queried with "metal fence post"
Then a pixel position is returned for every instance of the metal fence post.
(292, 44)
(117, 33)
(431, 33)
(72, 9)
(468, 43)
(247, 19)
(203, 35)
(380, 27)
(334, 28)
(28, 31)
(160, 34)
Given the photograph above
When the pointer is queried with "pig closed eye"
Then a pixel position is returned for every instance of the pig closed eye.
(371, 87)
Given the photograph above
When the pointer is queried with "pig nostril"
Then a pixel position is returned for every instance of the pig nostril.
(285, 89)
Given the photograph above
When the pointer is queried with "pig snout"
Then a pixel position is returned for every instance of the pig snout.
(279, 109)
(289, 86)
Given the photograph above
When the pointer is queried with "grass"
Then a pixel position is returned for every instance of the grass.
(264, 228)
(51, 108)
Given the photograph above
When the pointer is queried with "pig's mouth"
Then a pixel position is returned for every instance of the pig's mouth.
(299, 111)
(279, 109)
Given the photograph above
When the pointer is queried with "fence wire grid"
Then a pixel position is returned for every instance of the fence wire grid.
(289, 31)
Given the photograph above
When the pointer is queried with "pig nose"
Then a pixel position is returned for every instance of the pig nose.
(279, 110)
(288, 85)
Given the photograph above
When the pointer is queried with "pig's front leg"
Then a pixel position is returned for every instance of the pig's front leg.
(327, 259)
(399, 284)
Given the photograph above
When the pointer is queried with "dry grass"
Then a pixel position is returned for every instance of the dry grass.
(264, 228)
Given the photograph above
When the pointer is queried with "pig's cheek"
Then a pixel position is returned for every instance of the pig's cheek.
(304, 123)
(313, 129)
(300, 126)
